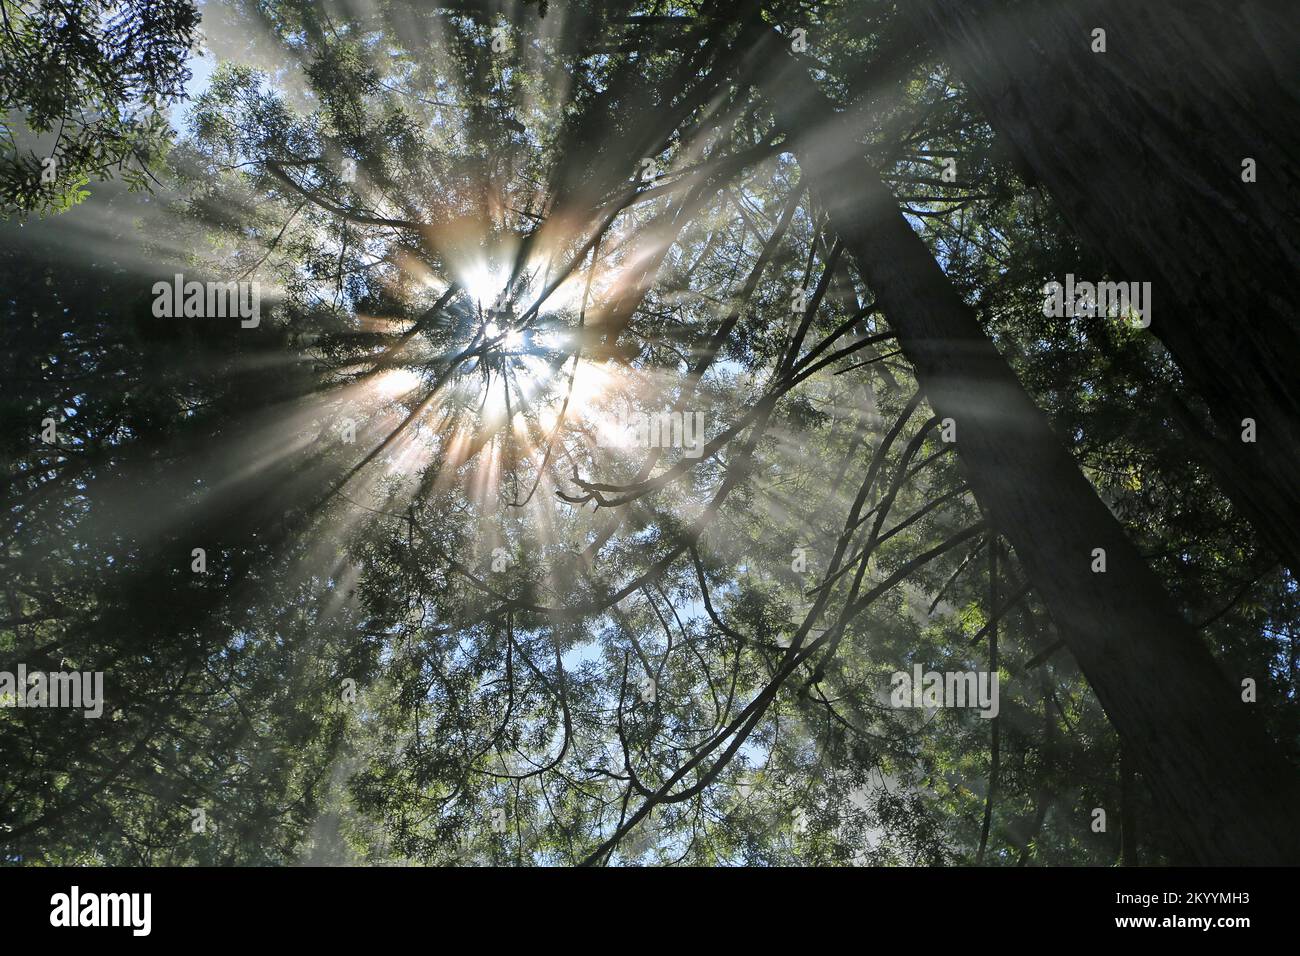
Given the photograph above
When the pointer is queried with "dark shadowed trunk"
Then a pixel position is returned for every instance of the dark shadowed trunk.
(1142, 146)
(1128, 826)
(1229, 792)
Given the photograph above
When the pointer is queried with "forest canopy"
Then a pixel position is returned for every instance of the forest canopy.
(527, 433)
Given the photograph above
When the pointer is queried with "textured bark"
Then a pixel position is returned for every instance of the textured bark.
(1142, 148)
(1229, 793)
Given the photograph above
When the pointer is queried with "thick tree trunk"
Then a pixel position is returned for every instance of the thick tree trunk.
(1142, 146)
(1225, 784)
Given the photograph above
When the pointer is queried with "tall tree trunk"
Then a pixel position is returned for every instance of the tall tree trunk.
(1224, 783)
(1128, 832)
(1142, 146)
(994, 611)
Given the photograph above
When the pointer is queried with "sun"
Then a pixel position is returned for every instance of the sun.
(520, 360)
(483, 283)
